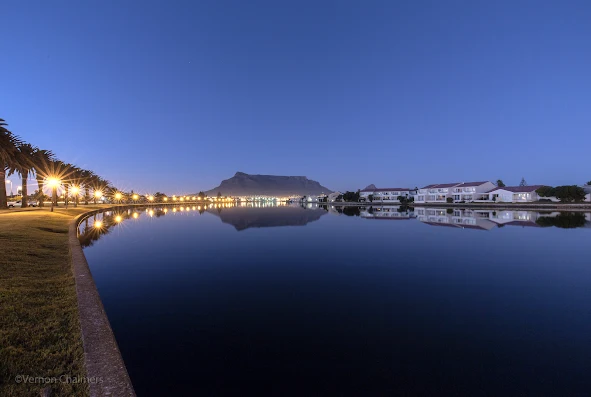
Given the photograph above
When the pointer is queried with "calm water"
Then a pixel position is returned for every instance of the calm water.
(287, 301)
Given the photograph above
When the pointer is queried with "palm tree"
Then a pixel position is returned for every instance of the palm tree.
(41, 160)
(87, 179)
(24, 167)
(8, 155)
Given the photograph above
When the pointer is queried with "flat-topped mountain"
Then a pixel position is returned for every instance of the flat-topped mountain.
(242, 184)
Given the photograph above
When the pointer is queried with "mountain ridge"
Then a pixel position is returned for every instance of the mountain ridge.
(243, 184)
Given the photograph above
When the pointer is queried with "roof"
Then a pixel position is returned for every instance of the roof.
(517, 189)
(468, 184)
(387, 189)
(392, 189)
(437, 185)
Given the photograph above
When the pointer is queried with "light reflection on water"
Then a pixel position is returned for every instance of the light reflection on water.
(326, 300)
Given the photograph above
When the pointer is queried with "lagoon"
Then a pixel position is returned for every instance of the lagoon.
(291, 300)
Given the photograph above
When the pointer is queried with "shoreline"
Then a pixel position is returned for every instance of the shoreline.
(494, 206)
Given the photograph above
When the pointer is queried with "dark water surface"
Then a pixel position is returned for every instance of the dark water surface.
(287, 301)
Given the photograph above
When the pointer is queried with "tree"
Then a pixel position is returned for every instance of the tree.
(351, 196)
(568, 194)
(589, 183)
(370, 198)
(500, 183)
(523, 182)
(24, 166)
(219, 195)
(202, 195)
(9, 144)
(546, 191)
(41, 160)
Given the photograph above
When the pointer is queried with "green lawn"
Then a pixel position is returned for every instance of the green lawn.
(39, 327)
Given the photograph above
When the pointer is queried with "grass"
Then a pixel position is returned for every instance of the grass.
(39, 325)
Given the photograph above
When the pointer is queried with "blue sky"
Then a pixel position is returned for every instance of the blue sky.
(176, 96)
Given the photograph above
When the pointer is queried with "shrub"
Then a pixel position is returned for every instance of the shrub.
(449, 200)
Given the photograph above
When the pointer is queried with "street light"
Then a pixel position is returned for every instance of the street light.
(53, 183)
(97, 195)
(118, 196)
(75, 190)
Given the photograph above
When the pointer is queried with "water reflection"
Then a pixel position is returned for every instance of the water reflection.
(256, 215)
(242, 216)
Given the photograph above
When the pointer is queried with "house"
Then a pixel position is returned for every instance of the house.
(436, 193)
(333, 196)
(471, 191)
(364, 194)
(458, 192)
(388, 195)
(514, 194)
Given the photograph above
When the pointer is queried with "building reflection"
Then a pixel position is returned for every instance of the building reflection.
(487, 219)
(263, 214)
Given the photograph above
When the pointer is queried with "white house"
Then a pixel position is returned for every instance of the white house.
(364, 194)
(514, 194)
(386, 195)
(436, 193)
(471, 191)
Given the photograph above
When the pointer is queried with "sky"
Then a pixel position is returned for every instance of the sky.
(175, 96)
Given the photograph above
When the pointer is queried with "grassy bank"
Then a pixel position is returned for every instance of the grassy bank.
(39, 324)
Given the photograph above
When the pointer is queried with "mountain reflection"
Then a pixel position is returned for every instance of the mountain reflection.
(243, 217)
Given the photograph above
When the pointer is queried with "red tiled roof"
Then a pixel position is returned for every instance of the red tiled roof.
(387, 189)
(392, 189)
(517, 189)
(437, 185)
(468, 184)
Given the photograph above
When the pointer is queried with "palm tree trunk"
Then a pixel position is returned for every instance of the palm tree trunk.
(85, 196)
(40, 183)
(54, 196)
(66, 195)
(3, 199)
(25, 193)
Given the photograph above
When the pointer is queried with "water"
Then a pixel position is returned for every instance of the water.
(282, 301)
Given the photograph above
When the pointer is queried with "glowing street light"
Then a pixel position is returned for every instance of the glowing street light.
(53, 183)
(165, 198)
(98, 224)
(118, 219)
(118, 196)
(97, 195)
(135, 197)
(151, 198)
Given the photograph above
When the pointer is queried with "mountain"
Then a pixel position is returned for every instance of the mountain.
(242, 184)
(370, 187)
